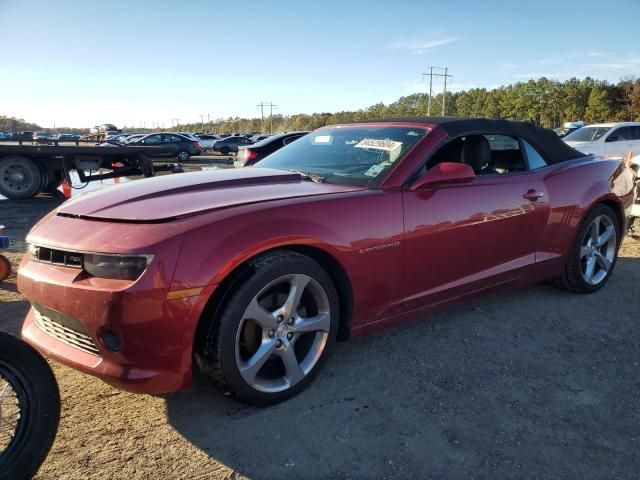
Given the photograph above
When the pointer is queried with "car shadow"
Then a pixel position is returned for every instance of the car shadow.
(536, 382)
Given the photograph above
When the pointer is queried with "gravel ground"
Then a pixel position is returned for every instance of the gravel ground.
(532, 383)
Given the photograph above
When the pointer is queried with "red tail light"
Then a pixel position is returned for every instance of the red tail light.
(250, 155)
(196, 144)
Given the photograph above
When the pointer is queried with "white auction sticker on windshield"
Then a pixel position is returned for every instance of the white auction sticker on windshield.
(386, 145)
(322, 139)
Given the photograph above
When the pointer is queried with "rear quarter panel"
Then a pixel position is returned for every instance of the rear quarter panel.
(574, 188)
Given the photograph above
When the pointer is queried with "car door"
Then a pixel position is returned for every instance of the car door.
(620, 142)
(462, 239)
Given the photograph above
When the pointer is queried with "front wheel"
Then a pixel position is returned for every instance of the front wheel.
(29, 408)
(594, 254)
(274, 331)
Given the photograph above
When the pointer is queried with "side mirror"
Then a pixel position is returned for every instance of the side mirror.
(445, 173)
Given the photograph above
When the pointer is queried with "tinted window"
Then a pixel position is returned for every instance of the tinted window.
(622, 134)
(586, 134)
(287, 141)
(534, 159)
(152, 139)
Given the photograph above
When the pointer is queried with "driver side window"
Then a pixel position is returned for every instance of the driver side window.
(487, 154)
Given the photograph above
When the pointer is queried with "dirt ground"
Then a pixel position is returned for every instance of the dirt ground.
(534, 383)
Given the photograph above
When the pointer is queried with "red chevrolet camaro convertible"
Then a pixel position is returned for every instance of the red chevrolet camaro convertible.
(252, 274)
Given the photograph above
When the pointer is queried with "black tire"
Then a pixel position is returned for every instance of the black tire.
(37, 391)
(572, 278)
(29, 170)
(218, 349)
(5, 268)
(225, 150)
(183, 155)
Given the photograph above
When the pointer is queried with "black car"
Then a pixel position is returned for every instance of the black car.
(256, 152)
(231, 144)
(23, 136)
(69, 137)
(184, 146)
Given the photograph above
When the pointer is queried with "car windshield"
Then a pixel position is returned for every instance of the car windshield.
(356, 155)
(586, 134)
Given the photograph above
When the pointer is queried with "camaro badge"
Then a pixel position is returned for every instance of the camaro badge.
(379, 247)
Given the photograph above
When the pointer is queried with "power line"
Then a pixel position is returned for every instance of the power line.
(445, 75)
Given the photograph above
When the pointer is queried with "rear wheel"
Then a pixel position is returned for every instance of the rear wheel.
(274, 331)
(20, 177)
(183, 155)
(224, 150)
(594, 254)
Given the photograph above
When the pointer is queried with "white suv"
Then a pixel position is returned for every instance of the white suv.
(607, 139)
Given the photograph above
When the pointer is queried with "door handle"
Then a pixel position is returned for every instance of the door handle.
(533, 195)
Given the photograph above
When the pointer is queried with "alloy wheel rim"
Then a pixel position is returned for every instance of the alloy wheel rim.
(283, 333)
(598, 250)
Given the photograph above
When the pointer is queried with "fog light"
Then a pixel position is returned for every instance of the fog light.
(110, 339)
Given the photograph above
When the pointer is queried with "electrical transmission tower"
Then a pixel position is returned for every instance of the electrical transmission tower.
(444, 75)
(261, 106)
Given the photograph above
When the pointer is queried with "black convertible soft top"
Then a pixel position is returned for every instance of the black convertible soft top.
(552, 146)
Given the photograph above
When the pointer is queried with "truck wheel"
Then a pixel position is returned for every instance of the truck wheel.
(20, 177)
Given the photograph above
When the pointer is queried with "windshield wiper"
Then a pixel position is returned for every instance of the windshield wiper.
(308, 175)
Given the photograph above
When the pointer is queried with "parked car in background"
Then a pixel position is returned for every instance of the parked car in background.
(606, 139)
(22, 136)
(5, 136)
(207, 140)
(567, 128)
(185, 147)
(259, 137)
(190, 135)
(69, 137)
(254, 153)
(230, 144)
(41, 137)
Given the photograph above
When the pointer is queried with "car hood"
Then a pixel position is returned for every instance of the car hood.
(169, 197)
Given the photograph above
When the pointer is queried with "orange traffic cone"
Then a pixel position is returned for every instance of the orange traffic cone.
(66, 188)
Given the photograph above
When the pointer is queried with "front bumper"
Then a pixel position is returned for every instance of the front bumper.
(157, 333)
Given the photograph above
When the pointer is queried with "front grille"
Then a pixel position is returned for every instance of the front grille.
(65, 329)
(57, 257)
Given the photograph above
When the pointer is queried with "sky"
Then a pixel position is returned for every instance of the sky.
(145, 63)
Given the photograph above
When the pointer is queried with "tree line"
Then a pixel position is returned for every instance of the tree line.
(545, 102)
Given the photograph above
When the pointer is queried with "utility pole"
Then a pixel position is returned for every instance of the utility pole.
(177, 120)
(444, 93)
(261, 106)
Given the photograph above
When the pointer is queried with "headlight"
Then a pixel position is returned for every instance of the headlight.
(119, 267)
